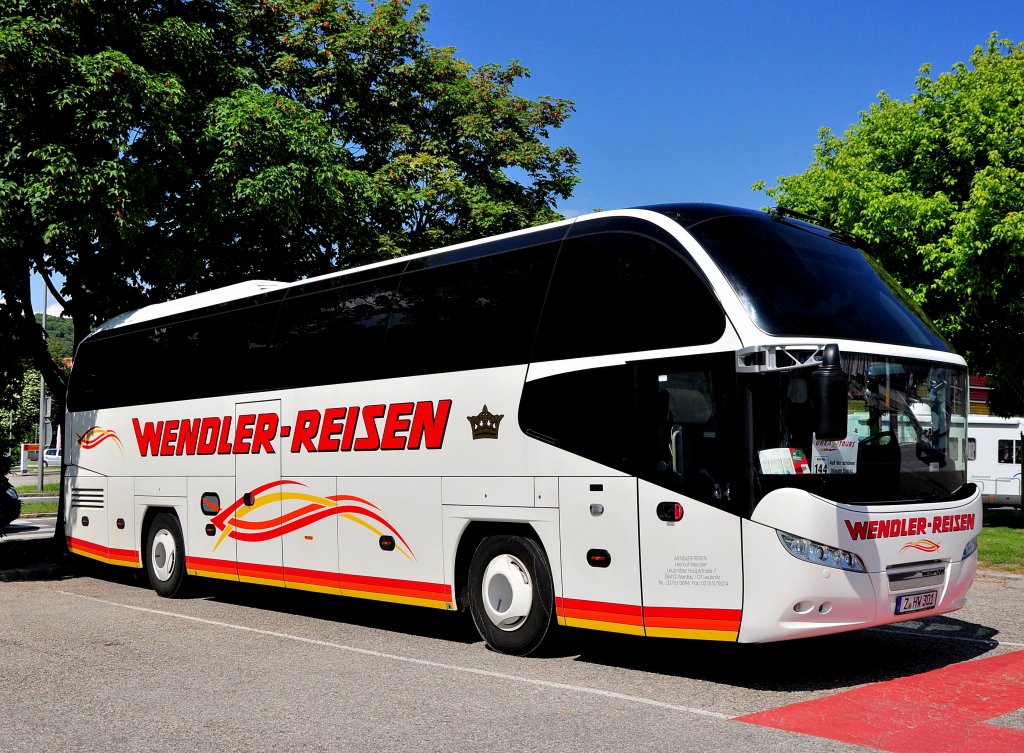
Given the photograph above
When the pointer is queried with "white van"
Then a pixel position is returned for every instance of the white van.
(994, 447)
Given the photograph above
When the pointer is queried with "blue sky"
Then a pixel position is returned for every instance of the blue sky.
(694, 101)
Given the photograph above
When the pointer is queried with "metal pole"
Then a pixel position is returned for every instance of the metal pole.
(42, 404)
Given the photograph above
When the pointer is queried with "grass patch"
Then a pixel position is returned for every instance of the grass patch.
(38, 508)
(1001, 541)
(34, 488)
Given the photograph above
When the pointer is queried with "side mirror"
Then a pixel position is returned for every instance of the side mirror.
(829, 389)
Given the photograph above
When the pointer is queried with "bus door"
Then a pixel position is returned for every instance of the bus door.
(692, 567)
(690, 546)
(258, 483)
(600, 559)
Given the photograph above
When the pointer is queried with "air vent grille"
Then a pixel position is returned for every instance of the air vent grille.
(87, 497)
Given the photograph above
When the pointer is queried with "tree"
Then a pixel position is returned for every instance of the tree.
(154, 149)
(12, 376)
(19, 421)
(935, 188)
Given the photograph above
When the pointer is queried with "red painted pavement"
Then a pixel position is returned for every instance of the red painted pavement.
(946, 709)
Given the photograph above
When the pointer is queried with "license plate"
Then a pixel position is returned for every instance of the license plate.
(916, 602)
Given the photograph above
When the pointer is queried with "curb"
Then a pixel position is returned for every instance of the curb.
(34, 559)
(999, 574)
(37, 571)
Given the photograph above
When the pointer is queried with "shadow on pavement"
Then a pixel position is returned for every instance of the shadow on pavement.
(34, 559)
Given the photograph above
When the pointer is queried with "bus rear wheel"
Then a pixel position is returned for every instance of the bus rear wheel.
(511, 595)
(164, 557)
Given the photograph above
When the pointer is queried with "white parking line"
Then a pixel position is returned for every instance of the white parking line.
(413, 660)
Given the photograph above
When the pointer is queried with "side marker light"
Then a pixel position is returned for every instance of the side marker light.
(670, 512)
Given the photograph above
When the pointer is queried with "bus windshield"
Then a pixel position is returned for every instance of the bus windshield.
(795, 278)
(905, 439)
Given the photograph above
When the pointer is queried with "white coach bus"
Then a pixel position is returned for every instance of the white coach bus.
(687, 421)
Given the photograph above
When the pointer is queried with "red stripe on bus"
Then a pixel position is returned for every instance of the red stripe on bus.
(430, 595)
(696, 614)
(126, 555)
(213, 566)
(417, 589)
(618, 618)
(598, 606)
(684, 623)
(369, 580)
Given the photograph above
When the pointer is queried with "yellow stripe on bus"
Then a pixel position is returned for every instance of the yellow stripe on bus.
(608, 627)
(704, 635)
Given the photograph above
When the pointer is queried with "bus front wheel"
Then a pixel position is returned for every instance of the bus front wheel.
(511, 596)
(165, 555)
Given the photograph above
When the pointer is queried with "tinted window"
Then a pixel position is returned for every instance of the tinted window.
(224, 350)
(332, 330)
(670, 422)
(1009, 451)
(796, 279)
(589, 413)
(687, 412)
(618, 290)
(471, 314)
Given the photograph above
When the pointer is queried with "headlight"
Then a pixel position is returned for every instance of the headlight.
(971, 548)
(11, 493)
(821, 554)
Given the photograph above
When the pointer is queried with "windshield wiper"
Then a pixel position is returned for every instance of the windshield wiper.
(781, 213)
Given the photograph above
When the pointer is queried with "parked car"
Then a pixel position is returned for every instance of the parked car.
(10, 505)
(51, 456)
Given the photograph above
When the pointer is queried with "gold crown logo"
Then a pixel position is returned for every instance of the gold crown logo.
(485, 425)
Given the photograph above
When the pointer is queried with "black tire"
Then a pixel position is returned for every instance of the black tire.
(521, 574)
(164, 556)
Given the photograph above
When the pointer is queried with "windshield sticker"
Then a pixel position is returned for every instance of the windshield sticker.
(839, 456)
(783, 461)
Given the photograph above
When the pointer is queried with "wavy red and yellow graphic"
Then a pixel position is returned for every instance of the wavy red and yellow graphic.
(242, 521)
(95, 436)
(924, 545)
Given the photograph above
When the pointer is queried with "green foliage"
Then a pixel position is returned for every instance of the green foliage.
(60, 337)
(19, 419)
(935, 187)
(1001, 541)
(155, 149)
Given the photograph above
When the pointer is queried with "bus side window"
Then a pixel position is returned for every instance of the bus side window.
(455, 314)
(690, 448)
(588, 413)
(616, 290)
(344, 315)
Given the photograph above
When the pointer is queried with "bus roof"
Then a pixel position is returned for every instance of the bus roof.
(175, 306)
